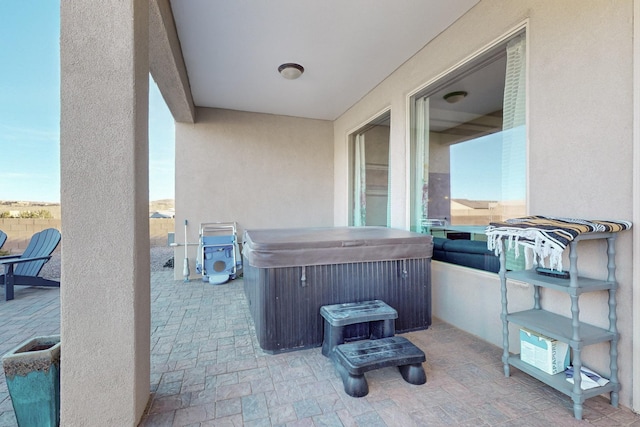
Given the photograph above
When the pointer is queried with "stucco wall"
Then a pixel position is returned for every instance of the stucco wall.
(579, 128)
(260, 170)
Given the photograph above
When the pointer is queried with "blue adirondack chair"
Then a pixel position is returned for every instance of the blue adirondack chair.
(23, 270)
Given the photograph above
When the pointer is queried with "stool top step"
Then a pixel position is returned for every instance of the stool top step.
(357, 312)
(362, 356)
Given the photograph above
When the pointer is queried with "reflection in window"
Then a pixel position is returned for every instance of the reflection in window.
(468, 144)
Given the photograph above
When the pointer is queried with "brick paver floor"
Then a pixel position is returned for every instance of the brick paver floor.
(208, 370)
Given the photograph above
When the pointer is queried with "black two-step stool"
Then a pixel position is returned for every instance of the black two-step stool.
(383, 349)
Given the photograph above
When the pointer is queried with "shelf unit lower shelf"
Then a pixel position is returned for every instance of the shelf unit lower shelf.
(558, 381)
(560, 327)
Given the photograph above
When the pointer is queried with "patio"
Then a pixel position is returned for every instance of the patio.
(207, 370)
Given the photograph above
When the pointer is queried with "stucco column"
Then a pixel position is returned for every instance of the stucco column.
(105, 302)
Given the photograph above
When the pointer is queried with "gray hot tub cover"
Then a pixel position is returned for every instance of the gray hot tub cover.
(290, 247)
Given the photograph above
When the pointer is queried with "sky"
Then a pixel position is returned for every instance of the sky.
(477, 169)
(474, 174)
(30, 108)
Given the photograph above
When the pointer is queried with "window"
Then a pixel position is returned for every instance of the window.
(369, 173)
(468, 142)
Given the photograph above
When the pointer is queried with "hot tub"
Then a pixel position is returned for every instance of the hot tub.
(290, 273)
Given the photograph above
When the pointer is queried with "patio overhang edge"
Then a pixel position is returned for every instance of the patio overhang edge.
(166, 63)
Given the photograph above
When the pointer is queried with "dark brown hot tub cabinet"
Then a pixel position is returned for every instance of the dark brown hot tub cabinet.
(290, 273)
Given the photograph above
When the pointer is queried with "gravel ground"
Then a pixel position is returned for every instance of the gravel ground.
(159, 256)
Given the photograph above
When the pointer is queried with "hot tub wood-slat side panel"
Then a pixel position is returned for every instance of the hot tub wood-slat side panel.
(293, 324)
(417, 312)
(250, 278)
(286, 310)
(256, 289)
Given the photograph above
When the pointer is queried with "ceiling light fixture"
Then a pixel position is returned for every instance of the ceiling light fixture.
(290, 70)
(453, 97)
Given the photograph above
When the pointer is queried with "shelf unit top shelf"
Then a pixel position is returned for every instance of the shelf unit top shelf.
(594, 235)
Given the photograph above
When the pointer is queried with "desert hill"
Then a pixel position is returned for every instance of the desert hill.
(162, 205)
(17, 206)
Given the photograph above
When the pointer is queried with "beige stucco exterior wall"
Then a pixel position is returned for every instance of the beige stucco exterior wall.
(260, 170)
(105, 292)
(579, 125)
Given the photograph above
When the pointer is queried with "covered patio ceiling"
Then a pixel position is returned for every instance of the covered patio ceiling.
(232, 50)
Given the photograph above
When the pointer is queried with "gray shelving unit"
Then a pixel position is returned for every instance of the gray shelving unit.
(565, 329)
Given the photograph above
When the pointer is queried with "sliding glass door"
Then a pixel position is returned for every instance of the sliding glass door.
(369, 171)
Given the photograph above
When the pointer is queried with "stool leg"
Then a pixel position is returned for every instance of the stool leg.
(382, 329)
(413, 374)
(333, 336)
(354, 385)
